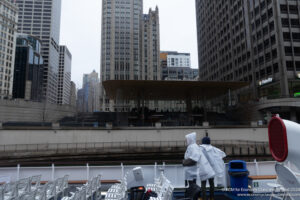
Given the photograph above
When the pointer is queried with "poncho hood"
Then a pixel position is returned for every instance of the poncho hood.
(191, 138)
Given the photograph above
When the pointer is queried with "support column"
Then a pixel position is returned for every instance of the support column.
(118, 105)
(293, 115)
(204, 110)
(143, 109)
(189, 108)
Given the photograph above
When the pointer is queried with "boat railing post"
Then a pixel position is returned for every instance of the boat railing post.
(163, 168)
(155, 168)
(53, 171)
(256, 167)
(18, 172)
(122, 171)
(87, 172)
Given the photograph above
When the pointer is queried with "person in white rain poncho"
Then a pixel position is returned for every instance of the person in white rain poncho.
(195, 162)
(191, 157)
(215, 158)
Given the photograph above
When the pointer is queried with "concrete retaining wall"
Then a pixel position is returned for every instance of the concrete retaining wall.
(227, 135)
(25, 111)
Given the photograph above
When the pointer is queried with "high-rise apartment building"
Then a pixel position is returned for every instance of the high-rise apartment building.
(150, 47)
(177, 66)
(256, 41)
(28, 70)
(8, 26)
(42, 19)
(130, 46)
(64, 76)
(175, 59)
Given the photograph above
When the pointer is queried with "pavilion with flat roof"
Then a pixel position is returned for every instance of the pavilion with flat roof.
(144, 90)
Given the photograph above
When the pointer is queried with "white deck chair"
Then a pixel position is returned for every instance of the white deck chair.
(23, 186)
(89, 190)
(289, 181)
(35, 182)
(2, 192)
(50, 190)
(10, 190)
(98, 187)
(41, 192)
(28, 196)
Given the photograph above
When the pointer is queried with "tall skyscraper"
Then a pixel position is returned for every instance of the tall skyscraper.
(255, 41)
(80, 101)
(150, 47)
(8, 26)
(88, 96)
(42, 19)
(64, 76)
(130, 46)
(73, 94)
(120, 42)
(121, 35)
(28, 71)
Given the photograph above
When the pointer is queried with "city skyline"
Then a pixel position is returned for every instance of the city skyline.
(180, 37)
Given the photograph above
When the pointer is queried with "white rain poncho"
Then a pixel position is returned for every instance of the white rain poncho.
(203, 168)
(192, 152)
(215, 158)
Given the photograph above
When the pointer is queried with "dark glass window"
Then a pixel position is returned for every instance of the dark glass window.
(290, 65)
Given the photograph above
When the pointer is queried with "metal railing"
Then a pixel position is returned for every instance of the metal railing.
(123, 145)
(174, 173)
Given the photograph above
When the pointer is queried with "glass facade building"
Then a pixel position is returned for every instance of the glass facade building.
(28, 70)
(42, 19)
(88, 96)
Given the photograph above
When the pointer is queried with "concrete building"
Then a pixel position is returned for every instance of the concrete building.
(20, 110)
(89, 95)
(130, 46)
(254, 41)
(120, 43)
(175, 59)
(64, 76)
(42, 19)
(28, 70)
(151, 47)
(73, 94)
(8, 25)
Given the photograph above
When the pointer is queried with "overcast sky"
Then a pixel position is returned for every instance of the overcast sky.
(81, 31)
